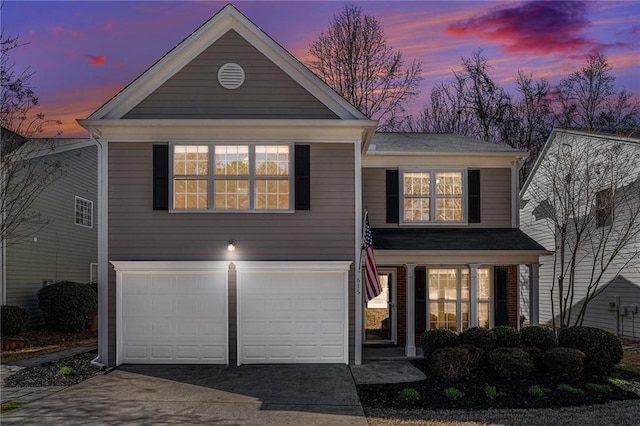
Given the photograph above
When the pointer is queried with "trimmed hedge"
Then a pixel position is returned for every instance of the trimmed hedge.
(451, 363)
(564, 364)
(478, 336)
(511, 362)
(14, 319)
(541, 337)
(506, 337)
(603, 350)
(68, 306)
(438, 338)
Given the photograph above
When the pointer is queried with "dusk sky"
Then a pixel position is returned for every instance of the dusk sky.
(84, 52)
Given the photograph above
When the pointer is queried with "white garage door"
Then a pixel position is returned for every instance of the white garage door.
(293, 312)
(173, 317)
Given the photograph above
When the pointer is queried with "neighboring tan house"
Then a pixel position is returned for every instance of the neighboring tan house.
(609, 207)
(232, 188)
(63, 246)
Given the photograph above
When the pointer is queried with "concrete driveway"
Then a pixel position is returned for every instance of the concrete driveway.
(314, 394)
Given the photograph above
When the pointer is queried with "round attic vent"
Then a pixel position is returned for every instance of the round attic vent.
(231, 76)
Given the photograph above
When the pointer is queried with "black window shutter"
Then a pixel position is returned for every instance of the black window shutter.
(303, 177)
(161, 177)
(421, 300)
(473, 181)
(393, 206)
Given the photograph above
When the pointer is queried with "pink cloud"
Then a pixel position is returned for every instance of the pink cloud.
(108, 26)
(119, 64)
(97, 60)
(539, 27)
(57, 30)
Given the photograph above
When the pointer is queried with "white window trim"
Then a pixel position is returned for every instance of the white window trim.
(75, 210)
(251, 177)
(93, 278)
(433, 197)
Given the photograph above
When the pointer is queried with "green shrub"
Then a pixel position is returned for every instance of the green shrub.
(453, 393)
(564, 363)
(538, 391)
(14, 319)
(541, 337)
(476, 356)
(617, 381)
(506, 337)
(436, 339)
(602, 348)
(66, 371)
(68, 306)
(451, 363)
(511, 362)
(594, 387)
(535, 353)
(491, 391)
(478, 336)
(563, 387)
(409, 394)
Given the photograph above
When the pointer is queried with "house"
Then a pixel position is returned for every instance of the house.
(55, 236)
(230, 223)
(601, 172)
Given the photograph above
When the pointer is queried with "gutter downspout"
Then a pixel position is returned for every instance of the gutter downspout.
(102, 360)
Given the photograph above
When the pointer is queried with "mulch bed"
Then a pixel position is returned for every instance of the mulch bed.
(512, 393)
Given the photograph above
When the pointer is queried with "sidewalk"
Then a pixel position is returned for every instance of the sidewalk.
(28, 394)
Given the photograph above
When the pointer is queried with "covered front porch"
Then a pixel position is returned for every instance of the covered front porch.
(426, 286)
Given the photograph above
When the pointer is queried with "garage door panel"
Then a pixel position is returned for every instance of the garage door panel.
(174, 317)
(292, 316)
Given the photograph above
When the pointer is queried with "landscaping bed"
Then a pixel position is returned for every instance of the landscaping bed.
(509, 393)
(65, 372)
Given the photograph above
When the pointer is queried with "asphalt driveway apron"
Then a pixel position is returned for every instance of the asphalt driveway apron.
(308, 394)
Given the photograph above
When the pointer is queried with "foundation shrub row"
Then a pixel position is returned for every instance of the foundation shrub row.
(577, 351)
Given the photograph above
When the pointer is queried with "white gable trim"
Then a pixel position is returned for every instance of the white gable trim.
(229, 18)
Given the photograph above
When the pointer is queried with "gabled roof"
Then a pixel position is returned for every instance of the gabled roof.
(595, 137)
(229, 18)
(416, 143)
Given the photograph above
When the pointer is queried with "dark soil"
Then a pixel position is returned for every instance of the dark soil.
(38, 342)
(512, 393)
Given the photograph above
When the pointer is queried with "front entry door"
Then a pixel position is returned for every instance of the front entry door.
(380, 312)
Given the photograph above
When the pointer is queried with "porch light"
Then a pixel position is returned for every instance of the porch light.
(232, 246)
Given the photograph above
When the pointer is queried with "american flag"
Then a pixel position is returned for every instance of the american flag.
(372, 286)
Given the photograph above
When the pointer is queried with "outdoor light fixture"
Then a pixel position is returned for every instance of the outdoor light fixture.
(231, 246)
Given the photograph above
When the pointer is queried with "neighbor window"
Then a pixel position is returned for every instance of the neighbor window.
(232, 177)
(433, 196)
(604, 207)
(84, 212)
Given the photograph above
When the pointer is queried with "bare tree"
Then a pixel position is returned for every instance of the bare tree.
(25, 169)
(587, 99)
(589, 196)
(353, 57)
(528, 120)
(487, 101)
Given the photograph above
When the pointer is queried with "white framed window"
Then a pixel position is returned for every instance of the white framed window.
(84, 212)
(448, 290)
(231, 177)
(433, 196)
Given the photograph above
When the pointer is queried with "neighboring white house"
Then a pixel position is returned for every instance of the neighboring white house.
(63, 246)
(603, 173)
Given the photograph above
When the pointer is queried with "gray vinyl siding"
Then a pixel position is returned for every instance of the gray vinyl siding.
(63, 250)
(495, 193)
(623, 282)
(136, 232)
(194, 91)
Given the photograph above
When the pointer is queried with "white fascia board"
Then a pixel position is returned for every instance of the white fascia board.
(444, 257)
(169, 266)
(229, 18)
(293, 266)
(56, 149)
(428, 159)
(350, 131)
